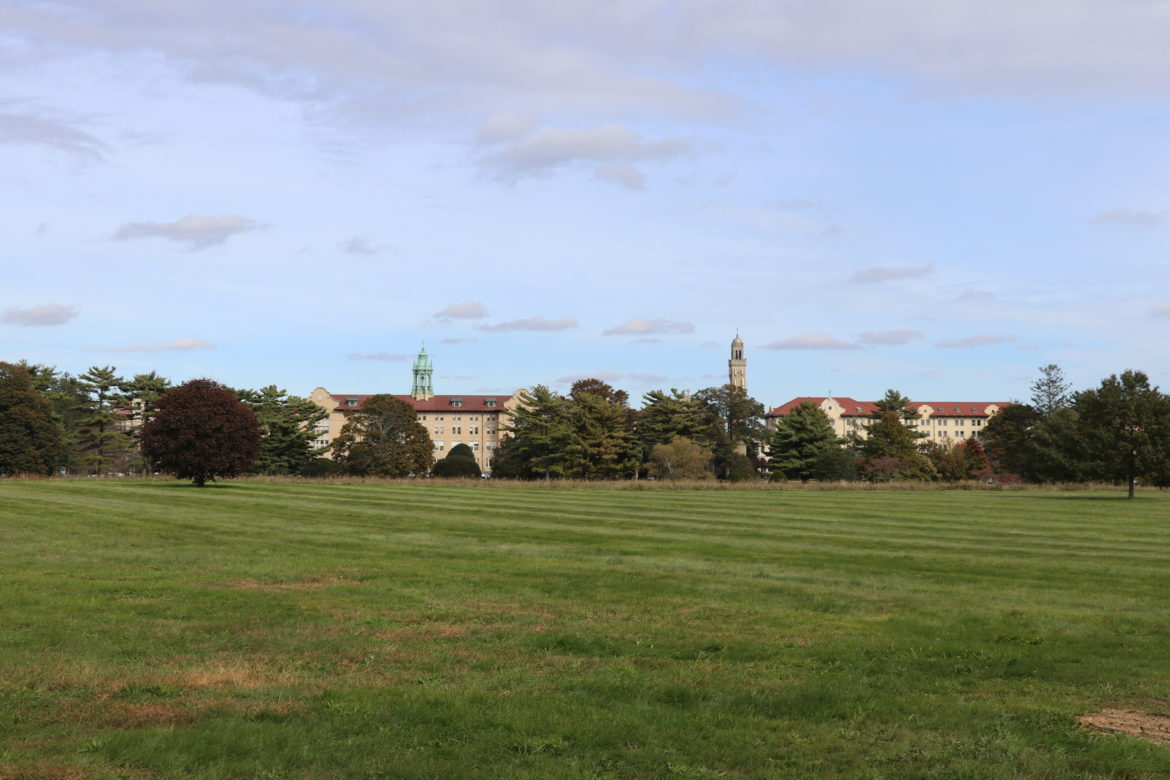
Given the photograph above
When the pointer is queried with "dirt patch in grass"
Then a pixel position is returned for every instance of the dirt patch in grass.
(311, 582)
(1150, 726)
(227, 673)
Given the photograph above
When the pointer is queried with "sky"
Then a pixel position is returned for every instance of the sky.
(934, 197)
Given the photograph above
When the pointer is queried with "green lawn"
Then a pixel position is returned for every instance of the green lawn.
(259, 629)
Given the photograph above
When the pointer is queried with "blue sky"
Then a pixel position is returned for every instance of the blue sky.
(932, 197)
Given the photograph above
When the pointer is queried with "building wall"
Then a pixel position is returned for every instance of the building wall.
(449, 420)
(946, 422)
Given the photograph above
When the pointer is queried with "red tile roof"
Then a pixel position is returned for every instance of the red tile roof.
(849, 406)
(438, 403)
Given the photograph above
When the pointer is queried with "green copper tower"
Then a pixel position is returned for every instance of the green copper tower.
(422, 390)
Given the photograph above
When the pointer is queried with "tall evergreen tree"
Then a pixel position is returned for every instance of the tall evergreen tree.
(104, 435)
(890, 440)
(543, 441)
(288, 426)
(30, 441)
(666, 416)
(143, 393)
(604, 446)
(70, 403)
(1051, 392)
(795, 446)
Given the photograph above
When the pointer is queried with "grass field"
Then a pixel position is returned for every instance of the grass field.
(258, 629)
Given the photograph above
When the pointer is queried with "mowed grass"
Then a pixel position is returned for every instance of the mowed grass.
(252, 629)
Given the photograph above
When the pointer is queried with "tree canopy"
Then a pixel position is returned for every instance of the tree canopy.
(795, 446)
(30, 441)
(1126, 423)
(384, 439)
(201, 432)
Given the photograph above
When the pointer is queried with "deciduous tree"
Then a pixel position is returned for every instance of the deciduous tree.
(201, 432)
(459, 462)
(30, 441)
(679, 459)
(1126, 422)
(385, 439)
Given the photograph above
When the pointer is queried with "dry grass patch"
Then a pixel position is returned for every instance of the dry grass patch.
(310, 582)
(427, 632)
(1144, 724)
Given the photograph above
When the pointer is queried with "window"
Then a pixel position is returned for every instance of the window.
(422, 417)
(438, 430)
(456, 430)
(438, 417)
(474, 430)
(457, 402)
(473, 417)
(438, 446)
(490, 417)
(490, 403)
(490, 431)
(475, 445)
(351, 402)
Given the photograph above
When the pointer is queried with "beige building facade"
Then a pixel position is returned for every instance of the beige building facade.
(474, 420)
(945, 422)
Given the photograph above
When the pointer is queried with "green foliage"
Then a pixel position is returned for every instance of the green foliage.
(956, 462)
(837, 464)
(30, 441)
(201, 432)
(664, 417)
(795, 446)
(1051, 391)
(588, 435)
(1126, 423)
(104, 435)
(69, 401)
(460, 462)
(737, 467)
(890, 440)
(384, 439)
(679, 459)
(288, 426)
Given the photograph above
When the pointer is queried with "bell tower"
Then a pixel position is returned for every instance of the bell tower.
(422, 390)
(737, 366)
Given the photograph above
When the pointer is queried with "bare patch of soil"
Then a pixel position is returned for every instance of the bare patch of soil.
(1150, 726)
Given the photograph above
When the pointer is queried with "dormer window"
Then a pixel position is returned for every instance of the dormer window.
(457, 402)
(490, 403)
(351, 402)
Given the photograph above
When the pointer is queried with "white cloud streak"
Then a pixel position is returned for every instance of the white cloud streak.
(1142, 218)
(33, 130)
(890, 274)
(468, 310)
(39, 316)
(889, 337)
(982, 340)
(820, 341)
(641, 326)
(547, 149)
(537, 323)
(198, 232)
(180, 345)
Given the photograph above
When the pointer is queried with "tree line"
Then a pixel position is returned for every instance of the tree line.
(99, 423)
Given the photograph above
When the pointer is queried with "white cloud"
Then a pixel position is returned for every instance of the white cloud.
(553, 147)
(197, 231)
(503, 127)
(982, 340)
(810, 341)
(34, 130)
(889, 337)
(890, 274)
(468, 310)
(456, 341)
(641, 326)
(38, 316)
(1144, 218)
(625, 175)
(362, 245)
(976, 295)
(377, 356)
(180, 345)
(537, 323)
(1161, 311)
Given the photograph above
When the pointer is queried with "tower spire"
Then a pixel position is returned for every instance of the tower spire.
(422, 389)
(737, 365)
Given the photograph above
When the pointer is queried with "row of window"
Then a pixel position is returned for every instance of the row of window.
(473, 417)
(457, 430)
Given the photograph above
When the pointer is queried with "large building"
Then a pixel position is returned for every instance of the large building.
(946, 422)
(474, 420)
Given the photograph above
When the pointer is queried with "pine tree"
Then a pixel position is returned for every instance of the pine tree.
(288, 427)
(103, 436)
(795, 447)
